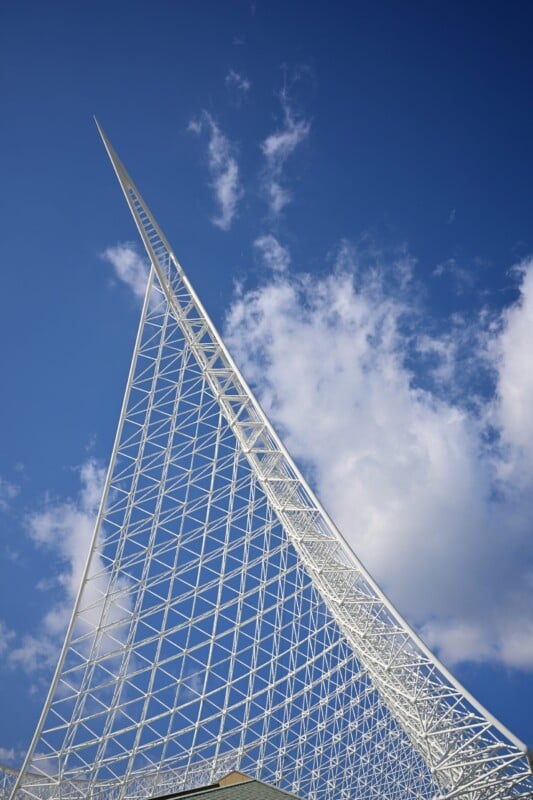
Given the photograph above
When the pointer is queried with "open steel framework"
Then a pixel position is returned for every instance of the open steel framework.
(222, 621)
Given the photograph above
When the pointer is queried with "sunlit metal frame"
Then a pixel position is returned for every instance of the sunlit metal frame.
(467, 752)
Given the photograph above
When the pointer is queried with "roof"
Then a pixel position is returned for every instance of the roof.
(234, 786)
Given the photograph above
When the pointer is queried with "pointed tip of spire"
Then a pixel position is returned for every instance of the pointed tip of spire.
(128, 187)
(117, 164)
(107, 144)
(100, 130)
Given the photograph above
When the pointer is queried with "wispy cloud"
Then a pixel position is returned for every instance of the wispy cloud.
(234, 80)
(223, 169)
(277, 148)
(6, 637)
(8, 492)
(434, 495)
(273, 254)
(463, 279)
(129, 267)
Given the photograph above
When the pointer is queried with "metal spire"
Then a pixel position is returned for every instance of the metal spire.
(153, 239)
(223, 622)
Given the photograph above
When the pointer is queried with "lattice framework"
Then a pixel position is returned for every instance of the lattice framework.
(223, 623)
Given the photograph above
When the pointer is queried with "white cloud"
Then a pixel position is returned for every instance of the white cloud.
(35, 652)
(7, 755)
(512, 354)
(407, 471)
(234, 80)
(274, 255)
(66, 527)
(8, 492)
(194, 126)
(6, 637)
(277, 148)
(223, 169)
(63, 528)
(129, 267)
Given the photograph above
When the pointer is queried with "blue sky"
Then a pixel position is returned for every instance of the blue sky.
(348, 187)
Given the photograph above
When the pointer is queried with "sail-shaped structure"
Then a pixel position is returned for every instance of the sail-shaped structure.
(223, 623)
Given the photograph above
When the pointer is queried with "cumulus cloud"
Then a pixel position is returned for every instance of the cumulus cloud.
(130, 268)
(223, 169)
(407, 468)
(277, 148)
(273, 254)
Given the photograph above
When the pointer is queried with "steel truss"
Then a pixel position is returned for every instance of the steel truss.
(223, 623)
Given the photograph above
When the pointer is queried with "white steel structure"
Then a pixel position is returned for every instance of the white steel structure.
(223, 623)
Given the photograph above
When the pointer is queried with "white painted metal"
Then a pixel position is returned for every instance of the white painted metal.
(223, 623)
